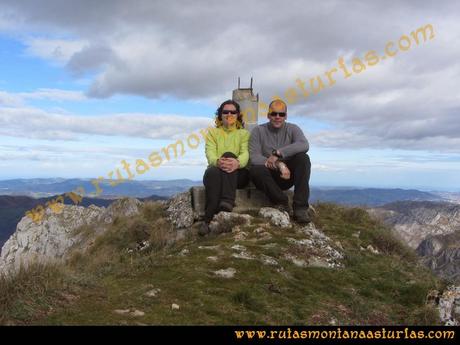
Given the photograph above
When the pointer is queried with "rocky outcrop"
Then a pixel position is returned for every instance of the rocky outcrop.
(54, 235)
(447, 303)
(431, 228)
(316, 249)
(449, 306)
(413, 221)
(442, 255)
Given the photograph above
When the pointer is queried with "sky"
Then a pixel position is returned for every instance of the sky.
(85, 85)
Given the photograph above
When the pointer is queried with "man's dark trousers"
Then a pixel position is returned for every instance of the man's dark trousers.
(270, 182)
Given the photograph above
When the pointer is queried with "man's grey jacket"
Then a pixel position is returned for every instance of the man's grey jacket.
(288, 140)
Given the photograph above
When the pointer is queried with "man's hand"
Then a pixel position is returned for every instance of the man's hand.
(270, 163)
(228, 165)
(285, 173)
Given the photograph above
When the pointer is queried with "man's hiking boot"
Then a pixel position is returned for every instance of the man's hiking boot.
(301, 215)
(225, 206)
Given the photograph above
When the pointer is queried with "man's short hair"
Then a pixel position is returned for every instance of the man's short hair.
(277, 106)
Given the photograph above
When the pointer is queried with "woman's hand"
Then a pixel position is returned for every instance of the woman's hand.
(222, 163)
(228, 165)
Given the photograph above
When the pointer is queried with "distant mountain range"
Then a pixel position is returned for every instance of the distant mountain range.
(370, 196)
(140, 189)
(20, 195)
(52, 186)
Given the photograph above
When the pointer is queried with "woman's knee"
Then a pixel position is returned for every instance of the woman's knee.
(229, 155)
(211, 172)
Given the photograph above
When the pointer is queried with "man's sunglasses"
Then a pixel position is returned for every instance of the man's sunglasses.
(274, 113)
(232, 112)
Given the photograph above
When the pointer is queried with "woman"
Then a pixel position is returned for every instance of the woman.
(228, 154)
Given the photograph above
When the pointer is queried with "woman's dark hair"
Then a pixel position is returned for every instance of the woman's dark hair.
(239, 120)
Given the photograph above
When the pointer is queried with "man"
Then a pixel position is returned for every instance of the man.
(277, 152)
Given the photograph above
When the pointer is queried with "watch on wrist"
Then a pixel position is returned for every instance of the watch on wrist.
(275, 153)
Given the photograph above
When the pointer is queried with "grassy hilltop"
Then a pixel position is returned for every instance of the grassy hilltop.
(116, 282)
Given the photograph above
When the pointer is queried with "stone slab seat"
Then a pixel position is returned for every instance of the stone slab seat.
(247, 199)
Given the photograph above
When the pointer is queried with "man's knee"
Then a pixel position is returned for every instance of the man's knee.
(301, 158)
(258, 170)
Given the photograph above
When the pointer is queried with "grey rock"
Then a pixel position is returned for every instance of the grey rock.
(449, 306)
(143, 246)
(124, 207)
(319, 250)
(227, 221)
(129, 312)
(184, 252)
(268, 260)
(318, 262)
(179, 210)
(296, 261)
(238, 247)
(137, 313)
(54, 236)
(276, 217)
(153, 293)
(217, 247)
(372, 250)
(226, 273)
(262, 234)
(240, 236)
(441, 254)
(243, 255)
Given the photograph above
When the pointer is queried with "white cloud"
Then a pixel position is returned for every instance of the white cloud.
(19, 99)
(349, 139)
(53, 95)
(9, 99)
(55, 50)
(195, 50)
(326, 167)
(36, 123)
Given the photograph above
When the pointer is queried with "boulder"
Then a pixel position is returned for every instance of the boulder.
(179, 210)
(276, 217)
(227, 221)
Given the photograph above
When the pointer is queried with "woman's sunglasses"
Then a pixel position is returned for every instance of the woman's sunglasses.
(227, 112)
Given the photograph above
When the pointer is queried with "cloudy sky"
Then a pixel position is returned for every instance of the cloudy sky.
(87, 84)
